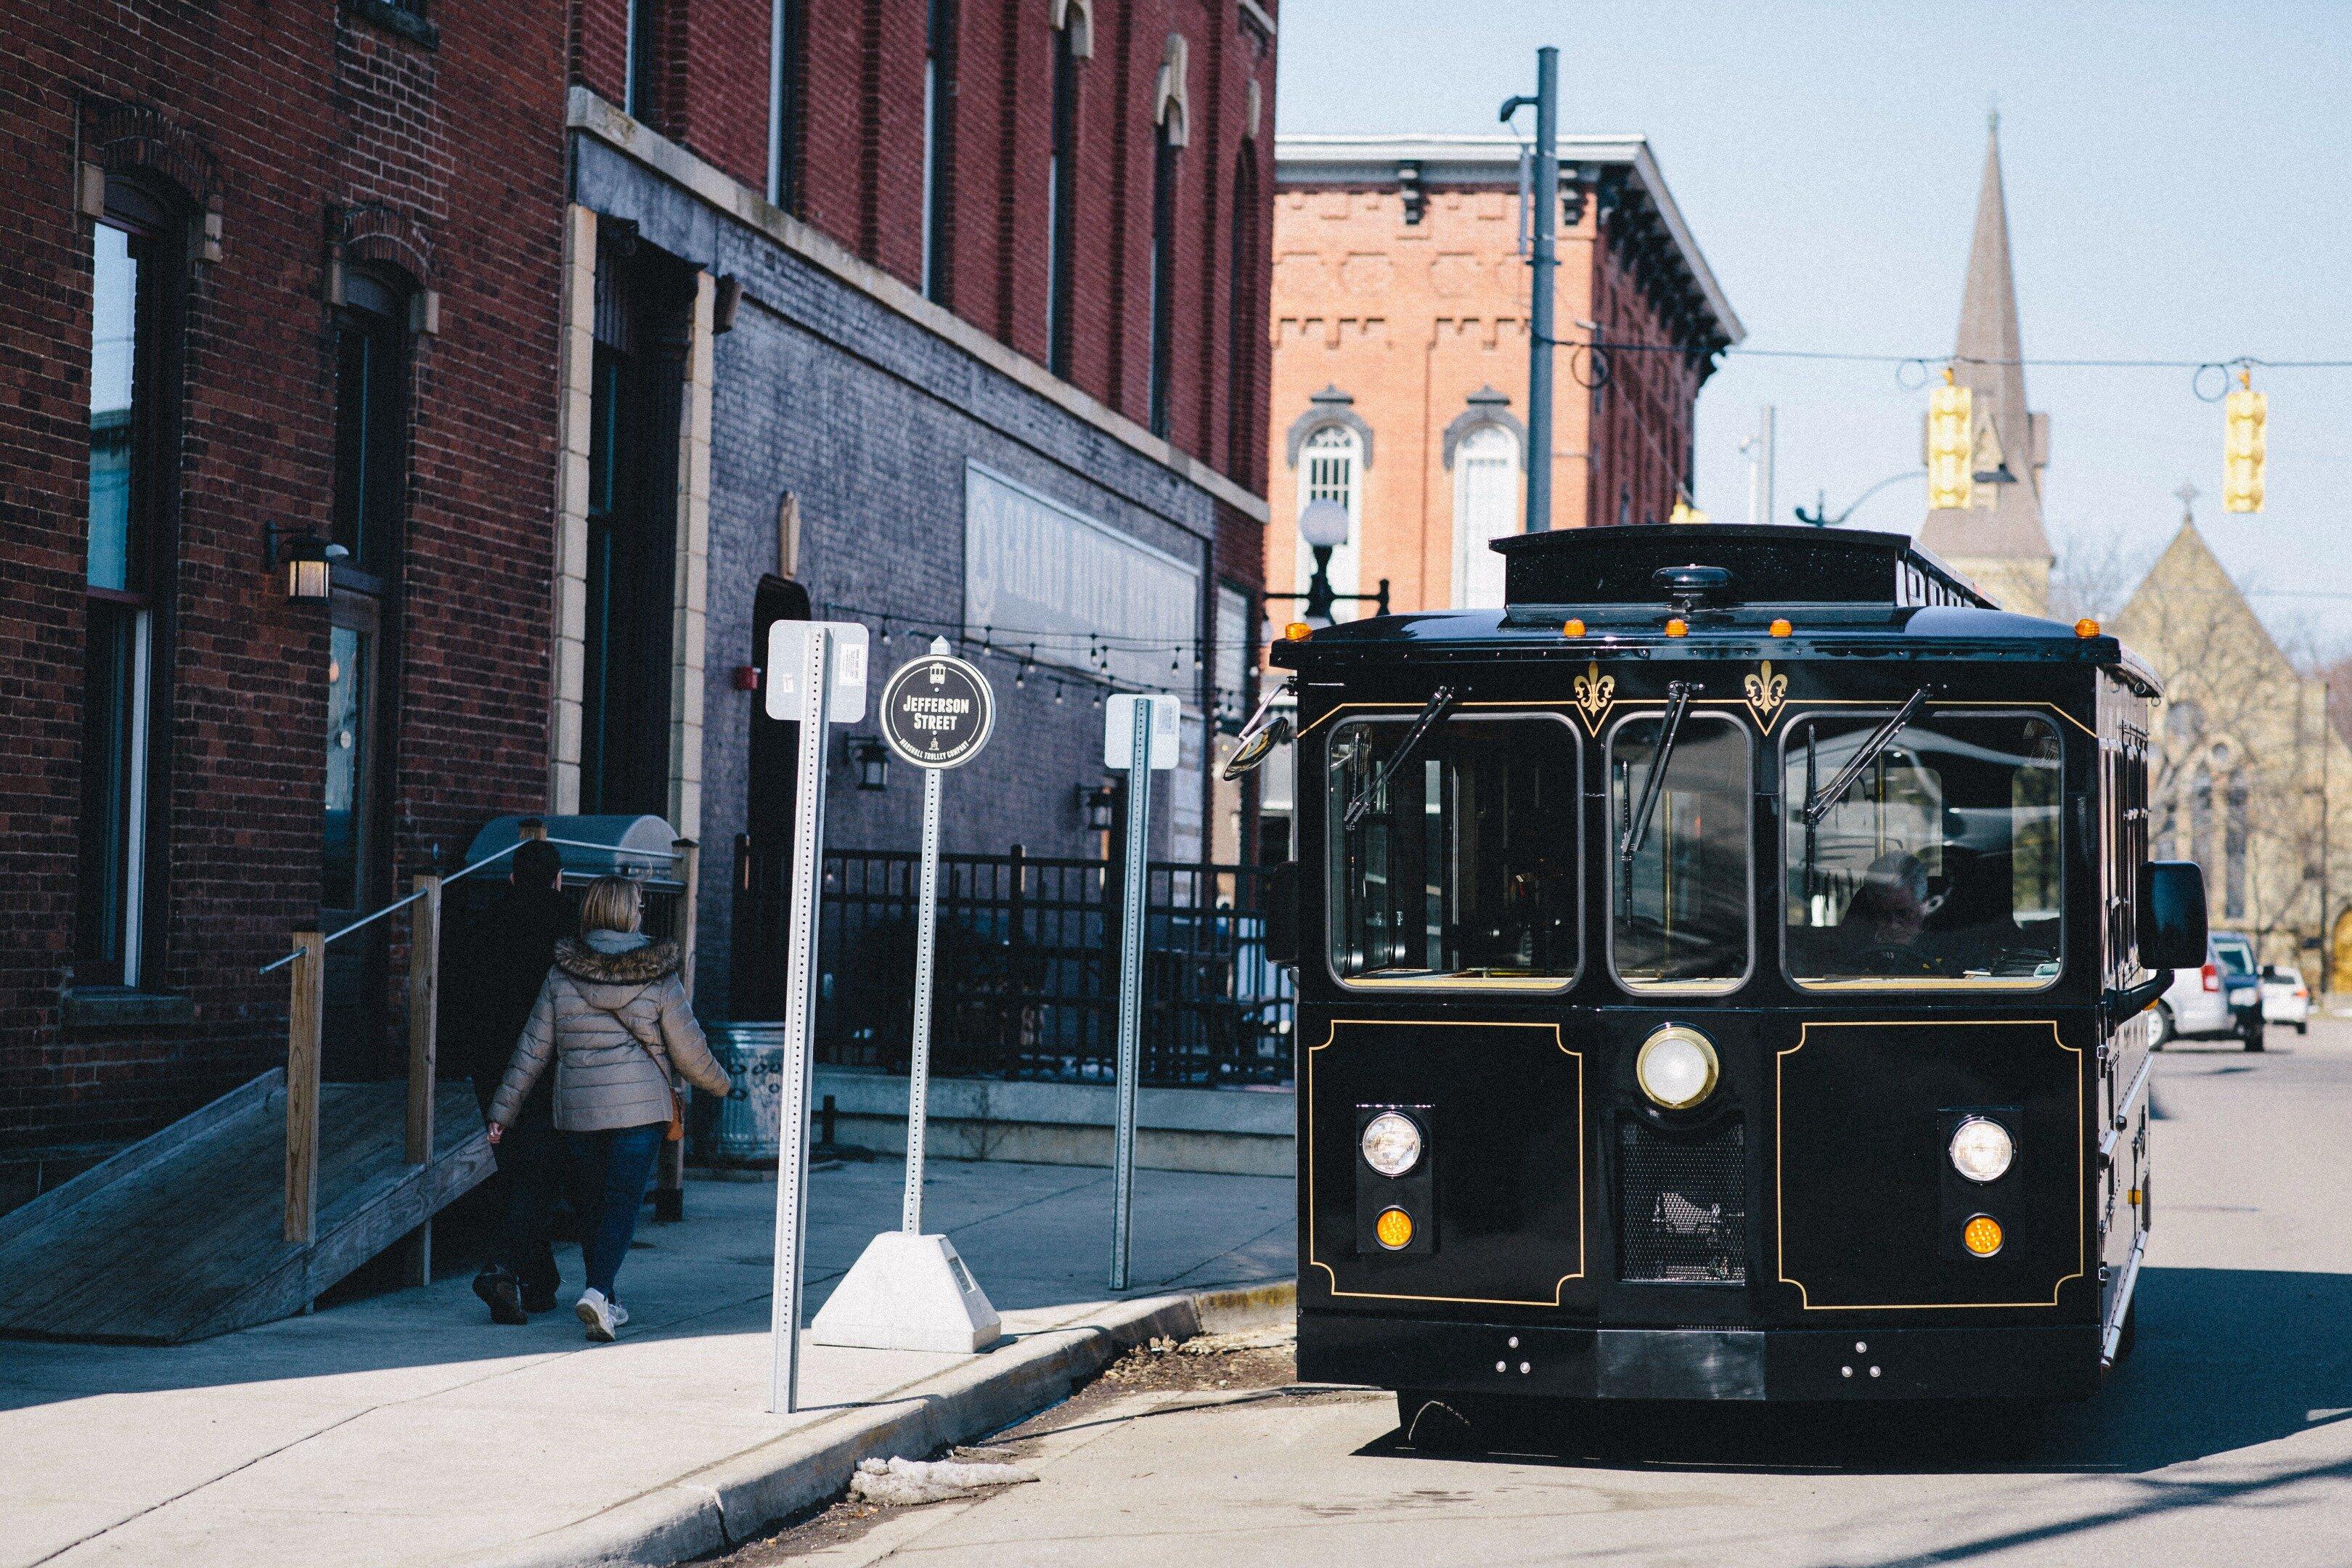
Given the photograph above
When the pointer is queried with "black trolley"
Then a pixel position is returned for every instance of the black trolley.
(1720, 977)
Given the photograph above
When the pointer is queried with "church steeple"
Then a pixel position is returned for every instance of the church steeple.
(1998, 539)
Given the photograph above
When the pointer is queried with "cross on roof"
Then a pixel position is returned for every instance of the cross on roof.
(2187, 492)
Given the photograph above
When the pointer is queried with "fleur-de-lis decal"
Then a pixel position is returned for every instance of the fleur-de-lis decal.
(1594, 690)
(1765, 693)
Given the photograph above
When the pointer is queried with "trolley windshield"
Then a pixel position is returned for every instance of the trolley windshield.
(1462, 868)
(1937, 865)
(1679, 887)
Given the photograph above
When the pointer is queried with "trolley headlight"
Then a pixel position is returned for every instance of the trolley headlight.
(1676, 1067)
(1982, 1149)
(1391, 1143)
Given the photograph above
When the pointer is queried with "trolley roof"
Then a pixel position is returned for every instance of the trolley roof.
(1845, 591)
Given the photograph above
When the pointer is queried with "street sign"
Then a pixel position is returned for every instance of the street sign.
(937, 711)
(1140, 737)
(1164, 715)
(815, 674)
(783, 684)
(911, 1292)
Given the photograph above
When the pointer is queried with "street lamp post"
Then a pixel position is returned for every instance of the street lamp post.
(1324, 526)
(1818, 517)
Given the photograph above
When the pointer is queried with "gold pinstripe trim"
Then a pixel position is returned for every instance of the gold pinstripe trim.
(1779, 1181)
(1308, 1121)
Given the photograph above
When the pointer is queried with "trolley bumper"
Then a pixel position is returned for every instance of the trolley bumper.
(1852, 1362)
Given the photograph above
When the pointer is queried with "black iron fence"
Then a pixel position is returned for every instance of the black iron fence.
(1026, 983)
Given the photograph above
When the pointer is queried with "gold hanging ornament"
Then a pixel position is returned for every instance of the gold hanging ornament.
(2244, 443)
(1951, 472)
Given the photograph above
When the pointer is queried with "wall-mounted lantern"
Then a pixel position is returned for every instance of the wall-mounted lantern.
(308, 561)
(1098, 806)
(873, 760)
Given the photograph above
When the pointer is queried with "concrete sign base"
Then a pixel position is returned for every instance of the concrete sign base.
(908, 1293)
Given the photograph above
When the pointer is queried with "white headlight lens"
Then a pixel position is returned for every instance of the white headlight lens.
(1391, 1143)
(1676, 1067)
(1982, 1149)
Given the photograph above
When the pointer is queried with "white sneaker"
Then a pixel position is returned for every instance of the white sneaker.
(598, 1314)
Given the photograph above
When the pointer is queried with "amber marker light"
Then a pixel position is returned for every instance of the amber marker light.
(1677, 627)
(2086, 628)
(1781, 629)
(1296, 631)
(1571, 629)
(1394, 1229)
(1982, 1237)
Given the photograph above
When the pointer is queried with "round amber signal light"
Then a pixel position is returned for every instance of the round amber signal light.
(2086, 628)
(1394, 1229)
(1297, 631)
(1983, 1236)
(1677, 627)
(1781, 627)
(1571, 627)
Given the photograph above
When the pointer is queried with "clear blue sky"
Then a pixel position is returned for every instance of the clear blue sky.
(2179, 187)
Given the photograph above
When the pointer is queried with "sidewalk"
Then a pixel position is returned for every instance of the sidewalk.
(407, 1429)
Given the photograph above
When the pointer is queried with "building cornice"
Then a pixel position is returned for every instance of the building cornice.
(1458, 162)
(591, 115)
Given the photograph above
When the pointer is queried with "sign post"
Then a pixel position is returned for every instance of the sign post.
(1140, 737)
(815, 674)
(909, 1291)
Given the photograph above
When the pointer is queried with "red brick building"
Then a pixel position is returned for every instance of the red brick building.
(1399, 305)
(568, 322)
(265, 271)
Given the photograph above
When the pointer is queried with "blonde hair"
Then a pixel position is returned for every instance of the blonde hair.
(612, 904)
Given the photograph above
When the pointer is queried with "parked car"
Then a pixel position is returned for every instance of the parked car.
(2222, 999)
(2285, 998)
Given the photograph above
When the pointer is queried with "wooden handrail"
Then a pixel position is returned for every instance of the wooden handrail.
(305, 1023)
(424, 1015)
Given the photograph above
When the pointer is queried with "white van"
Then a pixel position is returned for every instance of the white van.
(2223, 998)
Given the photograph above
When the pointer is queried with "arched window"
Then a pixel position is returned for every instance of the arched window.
(2200, 815)
(1244, 326)
(1485, 508)
(938, 149)
(2233, 852)
(1166, 144)
(1331, 468)
(1073, 42)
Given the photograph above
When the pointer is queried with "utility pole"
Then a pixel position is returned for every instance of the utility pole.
(1760, 477)
(1544, 261)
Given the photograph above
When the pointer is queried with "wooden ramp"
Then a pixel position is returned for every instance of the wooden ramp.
(181, 1236)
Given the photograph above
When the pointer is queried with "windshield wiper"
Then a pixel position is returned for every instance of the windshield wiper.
(1829, 794)
(1440, 702)
(1654, 783)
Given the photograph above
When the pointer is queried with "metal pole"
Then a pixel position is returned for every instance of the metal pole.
(1539, 313)
(1131, 985)
(800, 1019)
(918, 1082)
(1768, 433)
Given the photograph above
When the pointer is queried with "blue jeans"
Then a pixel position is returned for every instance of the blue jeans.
(609, 1172)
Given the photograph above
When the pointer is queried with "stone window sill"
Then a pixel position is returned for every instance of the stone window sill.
(122, 1007)
(397, 19)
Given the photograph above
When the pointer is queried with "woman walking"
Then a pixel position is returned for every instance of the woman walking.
(613, 1018)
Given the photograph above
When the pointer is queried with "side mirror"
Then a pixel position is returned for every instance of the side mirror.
(2171, 915)
(1282, 913)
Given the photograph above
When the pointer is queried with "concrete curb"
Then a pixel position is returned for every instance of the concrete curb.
(725, 1504)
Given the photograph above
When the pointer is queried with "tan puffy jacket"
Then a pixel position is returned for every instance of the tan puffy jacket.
(610, 1007)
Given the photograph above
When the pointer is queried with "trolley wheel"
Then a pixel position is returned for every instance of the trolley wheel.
(2163, 1032)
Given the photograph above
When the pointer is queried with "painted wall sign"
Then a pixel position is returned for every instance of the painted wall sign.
(1099, 600)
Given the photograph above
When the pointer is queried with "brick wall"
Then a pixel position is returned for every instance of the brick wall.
(295, 118)
(862, 150)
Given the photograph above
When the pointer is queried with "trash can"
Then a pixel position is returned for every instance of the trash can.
(749, 1127)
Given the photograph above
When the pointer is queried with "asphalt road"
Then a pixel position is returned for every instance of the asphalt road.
(2225, 1440)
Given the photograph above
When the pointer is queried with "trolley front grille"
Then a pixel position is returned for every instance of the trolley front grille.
(1681, 1204)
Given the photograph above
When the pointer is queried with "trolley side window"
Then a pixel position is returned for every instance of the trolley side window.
(1679, 917)
(1463, 870)
(1939, 864)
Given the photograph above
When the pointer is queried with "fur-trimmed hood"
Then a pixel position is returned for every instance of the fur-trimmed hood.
(638, 965)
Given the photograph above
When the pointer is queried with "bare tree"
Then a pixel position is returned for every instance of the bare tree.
(2093, 574)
